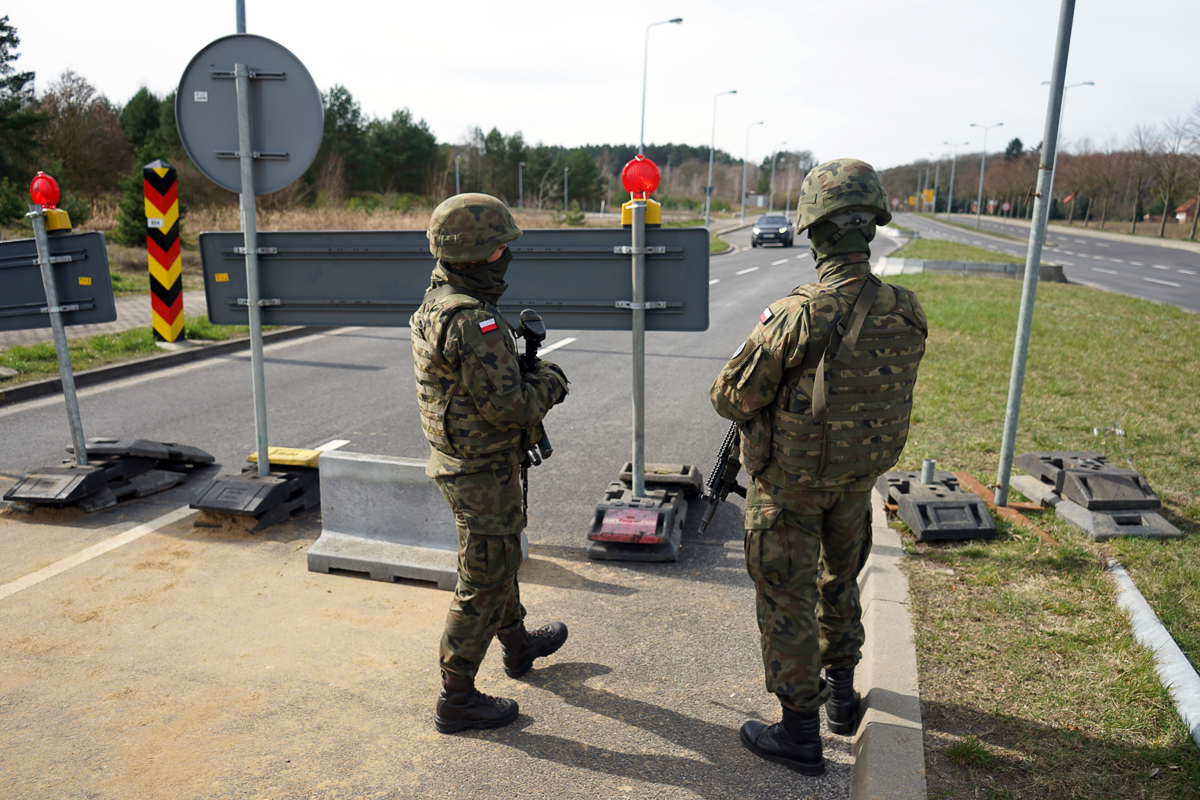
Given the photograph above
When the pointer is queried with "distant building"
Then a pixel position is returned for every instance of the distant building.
(1186, 211)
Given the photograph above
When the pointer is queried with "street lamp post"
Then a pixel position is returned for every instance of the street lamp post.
(565, 206)
(787, 203)
(457, 189)
(937, 176)
(645, 65)
(745, 162)
(982, 166)
(708, 190)
(774, 161)
(1058, 144)
(953, 159)
(521, 185)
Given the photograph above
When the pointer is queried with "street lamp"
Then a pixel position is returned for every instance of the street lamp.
(953, 158)
(565, 206)
(457, 190)
(774, 161)
(1062, 109)
(787, 203)
(645, 64)
(521, 185)
(745, 162)
(982, 164)
(708, 190)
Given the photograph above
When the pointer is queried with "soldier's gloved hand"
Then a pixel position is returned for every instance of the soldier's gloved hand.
(553, 372)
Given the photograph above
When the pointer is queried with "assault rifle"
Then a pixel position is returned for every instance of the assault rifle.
(723, 478)
(533, 331)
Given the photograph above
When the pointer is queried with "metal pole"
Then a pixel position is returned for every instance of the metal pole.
(708, 190)
(457, 190)
(1033, 259)
(922, 182)
(745, 163)
(982, 166)
(250, 229)
(60, 334)
(241, 16)
(771, 191)
(937, 177)
(639, 348)
(521, 185)
(954, 158)
(787, 203)
(645, 65)
(1058, 144)
(565, 206)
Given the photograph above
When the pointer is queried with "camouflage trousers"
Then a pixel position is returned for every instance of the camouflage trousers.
(804, 551)
(487, 600)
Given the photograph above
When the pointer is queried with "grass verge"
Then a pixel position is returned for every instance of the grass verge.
(715, 243)
(943, 250)
(941, 219)
(1031, 683)
(38, 361)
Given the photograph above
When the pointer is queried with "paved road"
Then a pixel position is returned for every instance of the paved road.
(222, 668)
(1162, 274)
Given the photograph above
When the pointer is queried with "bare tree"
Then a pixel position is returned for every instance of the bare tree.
(1170, 159)
(83, 133)
(1142, 144)
(1107, 175)
(1194, 149)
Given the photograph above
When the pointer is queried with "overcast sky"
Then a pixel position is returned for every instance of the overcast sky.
(887, 81)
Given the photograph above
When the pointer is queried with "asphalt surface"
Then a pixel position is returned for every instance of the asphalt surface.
(1158, 273)
(223, 664)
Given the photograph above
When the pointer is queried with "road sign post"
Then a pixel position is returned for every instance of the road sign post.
(162, 250)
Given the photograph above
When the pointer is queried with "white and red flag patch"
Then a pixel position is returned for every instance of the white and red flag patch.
(488, 325)
(766, 315)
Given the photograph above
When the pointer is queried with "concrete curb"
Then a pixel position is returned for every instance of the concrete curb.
(912, 266)
(889, 747)
(91, 377)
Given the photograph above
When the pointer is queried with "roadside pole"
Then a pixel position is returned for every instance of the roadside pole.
(639, 348)
(1033, 259)
(45, 262)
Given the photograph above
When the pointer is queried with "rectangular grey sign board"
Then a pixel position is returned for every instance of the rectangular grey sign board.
(574, 278)
(81, 277)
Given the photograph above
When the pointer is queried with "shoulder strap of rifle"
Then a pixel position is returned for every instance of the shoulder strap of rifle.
(841, 346)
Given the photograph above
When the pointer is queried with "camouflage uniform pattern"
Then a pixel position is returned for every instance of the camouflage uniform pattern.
(807, 520)
(469, 227)
(487, 597)
(804, 551)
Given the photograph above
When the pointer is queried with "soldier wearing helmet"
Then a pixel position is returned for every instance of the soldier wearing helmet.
(823, 387)
(480, 413)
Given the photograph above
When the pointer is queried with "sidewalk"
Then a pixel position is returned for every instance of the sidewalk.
(132, 312)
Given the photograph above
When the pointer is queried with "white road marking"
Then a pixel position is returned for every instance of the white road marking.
(333, 444)
(99, 549)
(714, 280)
(1069, 252)
(1164, 283)
(1186, 271)
(1080, 241)
(1066, 263)
(1116, 260)
(748, 269)
(1099, 244)
(1159, 266)
(560, 343)
(1109, 271)
(1138, 263)
(803, 255)
(777, 263)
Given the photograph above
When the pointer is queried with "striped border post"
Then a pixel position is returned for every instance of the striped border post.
(162, 246)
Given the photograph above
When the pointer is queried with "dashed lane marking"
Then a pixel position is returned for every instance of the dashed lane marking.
(560, 343)
(1186, 271)
(1164, 283)
(333, 444)
(714, 280)
(802, 255)
(99, 549)
(1099, 244)
(1159, 266)
(748, 269)
(1109, 271)
(1138, 263)
(777, 263)
(1116, 261)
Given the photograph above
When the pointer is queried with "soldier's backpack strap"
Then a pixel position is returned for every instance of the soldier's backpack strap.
(841, 346)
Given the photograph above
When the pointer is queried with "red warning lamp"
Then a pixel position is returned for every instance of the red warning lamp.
(640, 177)
(43, 190)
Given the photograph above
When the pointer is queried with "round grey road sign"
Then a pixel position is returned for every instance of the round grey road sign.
(286, 117)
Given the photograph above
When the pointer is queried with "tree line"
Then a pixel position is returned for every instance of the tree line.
(1149, 178)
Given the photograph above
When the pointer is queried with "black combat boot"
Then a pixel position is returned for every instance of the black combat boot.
(459, 706)
(795, 742)
(521, 647)
(841, 710)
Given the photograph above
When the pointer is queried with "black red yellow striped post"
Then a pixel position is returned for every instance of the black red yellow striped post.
(162, 245)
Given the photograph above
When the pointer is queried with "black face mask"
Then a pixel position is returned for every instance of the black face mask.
(482, 276)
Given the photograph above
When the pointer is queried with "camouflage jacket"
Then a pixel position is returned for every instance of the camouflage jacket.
(768, 384)
(476, 405)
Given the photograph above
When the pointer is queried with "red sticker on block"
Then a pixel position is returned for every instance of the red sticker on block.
(629, 525)
(487, 325)
(765, 316)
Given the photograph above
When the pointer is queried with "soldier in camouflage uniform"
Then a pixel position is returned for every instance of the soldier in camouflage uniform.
(823, 389)
(480, 413)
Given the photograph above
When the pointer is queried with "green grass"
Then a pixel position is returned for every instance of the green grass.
(38, 361)
(715, 243)
(1020, 644)
(899, 227)
(941, 250)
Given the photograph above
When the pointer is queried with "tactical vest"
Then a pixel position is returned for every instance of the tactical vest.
(869, 399)
(464, 440)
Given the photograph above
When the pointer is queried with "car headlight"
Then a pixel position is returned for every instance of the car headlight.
(757, 230)
(783, 229)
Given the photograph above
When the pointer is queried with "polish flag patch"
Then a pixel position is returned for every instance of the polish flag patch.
(488, 325)
(765, 316)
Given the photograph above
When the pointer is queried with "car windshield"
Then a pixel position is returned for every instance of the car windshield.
(772, 221)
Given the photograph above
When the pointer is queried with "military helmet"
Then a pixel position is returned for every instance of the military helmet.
(469, 227)
(836, 188)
